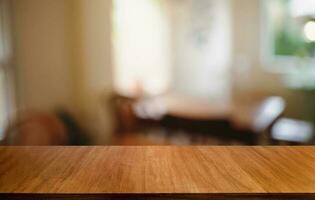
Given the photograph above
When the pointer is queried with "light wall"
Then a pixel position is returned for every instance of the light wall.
(251, 79)
(202, 44)
(92, 65)
(41, 54)
(62, 53)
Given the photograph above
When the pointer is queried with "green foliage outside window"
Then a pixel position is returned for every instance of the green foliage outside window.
(289, 39)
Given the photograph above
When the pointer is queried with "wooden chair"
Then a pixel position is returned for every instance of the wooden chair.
(37, 129)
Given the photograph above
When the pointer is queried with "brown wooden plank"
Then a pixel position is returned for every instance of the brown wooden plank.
(177, 171)
(157, 197)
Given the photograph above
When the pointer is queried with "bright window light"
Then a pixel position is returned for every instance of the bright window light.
(300, 8)
(140, 41)
(309, 31)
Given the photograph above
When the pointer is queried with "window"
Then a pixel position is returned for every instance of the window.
(289, 33)
(3, 104)
(140, 39)
(291, 28)
(6, 101)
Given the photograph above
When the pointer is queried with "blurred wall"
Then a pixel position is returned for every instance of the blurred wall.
(92, 65)
(41, 54)
(62, 51)
(202, 44)
(250, 75)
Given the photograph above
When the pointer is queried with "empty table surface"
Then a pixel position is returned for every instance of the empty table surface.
(156, 172)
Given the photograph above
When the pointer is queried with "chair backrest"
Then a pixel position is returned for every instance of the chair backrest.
(37, 129)
(269, 111)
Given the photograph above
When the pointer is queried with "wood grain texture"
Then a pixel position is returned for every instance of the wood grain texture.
(181, 171)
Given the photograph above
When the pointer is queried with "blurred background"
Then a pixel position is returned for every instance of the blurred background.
(157, 72)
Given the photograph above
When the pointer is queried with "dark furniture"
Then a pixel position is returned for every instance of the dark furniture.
(198, 119)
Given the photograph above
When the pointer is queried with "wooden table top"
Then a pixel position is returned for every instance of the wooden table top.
(157, 170)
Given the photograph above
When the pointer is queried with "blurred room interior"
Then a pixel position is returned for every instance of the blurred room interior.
(157, 72)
